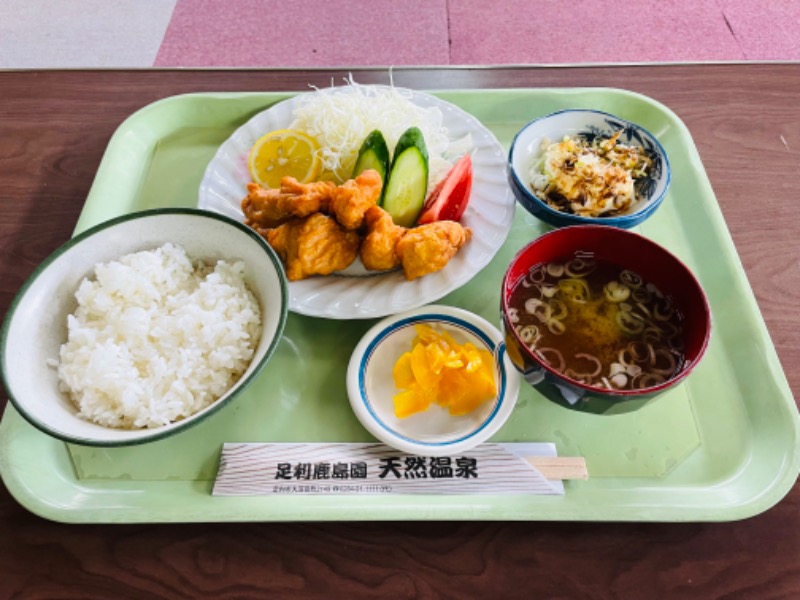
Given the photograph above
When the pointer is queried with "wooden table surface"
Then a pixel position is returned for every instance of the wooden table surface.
(745, 120)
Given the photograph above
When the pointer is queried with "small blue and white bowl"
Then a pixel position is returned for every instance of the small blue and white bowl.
(527, 147)
(434, 432)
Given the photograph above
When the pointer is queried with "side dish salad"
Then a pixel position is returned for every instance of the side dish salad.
(589, 177)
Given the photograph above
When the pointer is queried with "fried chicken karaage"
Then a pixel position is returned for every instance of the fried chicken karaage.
(316, 245)
(265, 208)
(351, 200)
(428, 248)
(317, 229)
(379, 248)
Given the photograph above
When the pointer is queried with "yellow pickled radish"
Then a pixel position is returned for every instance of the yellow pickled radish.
(408, 402)
(438, 370)
(421, 368)
(402, 372)
(282, 153)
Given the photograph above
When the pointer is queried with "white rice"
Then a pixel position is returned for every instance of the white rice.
(156, 338)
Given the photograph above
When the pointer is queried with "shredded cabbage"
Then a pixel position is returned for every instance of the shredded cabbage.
(341, 118)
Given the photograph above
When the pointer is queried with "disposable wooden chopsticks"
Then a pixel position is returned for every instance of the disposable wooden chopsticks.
(560, 467)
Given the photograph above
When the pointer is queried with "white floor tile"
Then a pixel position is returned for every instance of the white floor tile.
(82, 33)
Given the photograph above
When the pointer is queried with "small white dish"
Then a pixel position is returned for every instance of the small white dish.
(434, 432)
(36, 324)
(356, 293)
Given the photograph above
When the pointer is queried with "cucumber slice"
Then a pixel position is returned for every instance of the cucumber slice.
(404, 192)
(374, 154)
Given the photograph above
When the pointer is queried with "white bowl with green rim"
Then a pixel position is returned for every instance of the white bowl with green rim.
(35, 326)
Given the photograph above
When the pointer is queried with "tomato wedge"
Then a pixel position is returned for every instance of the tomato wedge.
(449, 198)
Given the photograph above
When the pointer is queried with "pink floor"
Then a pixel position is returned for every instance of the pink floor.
(309, 33)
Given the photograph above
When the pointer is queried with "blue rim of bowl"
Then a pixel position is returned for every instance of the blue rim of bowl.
(433, 317)
(158, 433)
(617, 221)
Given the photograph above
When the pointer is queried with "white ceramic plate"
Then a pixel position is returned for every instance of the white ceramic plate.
(353, 294)
(434, 432)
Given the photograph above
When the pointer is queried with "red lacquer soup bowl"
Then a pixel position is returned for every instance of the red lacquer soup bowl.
(671, 282)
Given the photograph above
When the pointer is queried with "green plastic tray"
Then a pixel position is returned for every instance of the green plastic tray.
(721, 446)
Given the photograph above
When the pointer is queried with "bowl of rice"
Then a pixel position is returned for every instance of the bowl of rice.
(142, 326)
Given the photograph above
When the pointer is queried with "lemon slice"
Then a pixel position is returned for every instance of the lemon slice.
(281, 153)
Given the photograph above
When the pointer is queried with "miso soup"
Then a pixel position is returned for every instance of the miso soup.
(598, 323)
